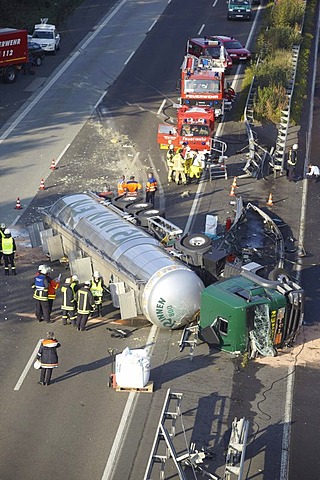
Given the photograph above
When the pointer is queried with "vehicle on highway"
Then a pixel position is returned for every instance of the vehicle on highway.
(203, 83)
(46, 36)
(195, 128)
(239, 10)
(13, 52)
(36, 54)
(204, 47)
(235, 49)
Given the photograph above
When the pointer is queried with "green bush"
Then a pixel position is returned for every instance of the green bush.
(269, 102)
(274, 69)
(288, 13)
(276, 38)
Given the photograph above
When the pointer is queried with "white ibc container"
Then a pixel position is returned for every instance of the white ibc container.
(132, 368)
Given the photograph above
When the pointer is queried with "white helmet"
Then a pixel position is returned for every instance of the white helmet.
(96, 274)
(40, 267)
(295, 146)
(3, 226)
(7, 231)
(74, 278)
(68, 281)
(171, 147)
(43, 269)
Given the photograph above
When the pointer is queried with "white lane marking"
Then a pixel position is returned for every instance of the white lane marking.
(199, 190)
(28, 366)
(58, 75)
(125, 421)
(129, 58)
(152, 26)
(161, 106)
(203, 25)
(16, 219)
(284, 470)
(135, 159)
(62, 153)
(215, 3)
(101, 98)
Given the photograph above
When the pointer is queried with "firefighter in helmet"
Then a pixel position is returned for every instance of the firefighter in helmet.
(97, 288)
(169, 160)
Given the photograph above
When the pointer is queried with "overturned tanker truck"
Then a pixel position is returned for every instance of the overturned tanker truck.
(163, 273)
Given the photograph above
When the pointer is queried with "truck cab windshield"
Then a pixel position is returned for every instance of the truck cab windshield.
(202, 86)
(195, 130)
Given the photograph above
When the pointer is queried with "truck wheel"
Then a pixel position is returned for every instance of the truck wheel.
(124, 200)
(279, 274)
(143, 216)
(196, 242)
(10, 75)
(137, 207)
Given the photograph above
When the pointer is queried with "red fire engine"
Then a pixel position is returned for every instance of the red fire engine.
(195, 128)
(203, 82)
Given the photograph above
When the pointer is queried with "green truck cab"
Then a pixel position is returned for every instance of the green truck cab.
(239, 9)
(247, 313)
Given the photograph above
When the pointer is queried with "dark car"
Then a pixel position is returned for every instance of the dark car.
(36, 54)
(235, 49)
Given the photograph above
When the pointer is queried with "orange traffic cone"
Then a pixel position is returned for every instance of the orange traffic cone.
(53, 165)
(234, 183)
(270, 202)
(18, 204)
(42, 187)
(232, 194)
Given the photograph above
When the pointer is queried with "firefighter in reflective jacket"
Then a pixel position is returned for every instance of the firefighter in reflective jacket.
(2, 229)
(68, 304)
(178, 167)
(40, 285)
(8, 247)
(169, 157)
(151, 188)
(132, 186)
(198, 165)
(85, 305)
(188, 157)
(96, 288)
(122, 186)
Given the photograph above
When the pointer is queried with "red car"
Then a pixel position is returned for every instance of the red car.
(235, 49)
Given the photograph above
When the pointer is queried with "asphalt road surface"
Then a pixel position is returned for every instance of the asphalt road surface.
(78, 427)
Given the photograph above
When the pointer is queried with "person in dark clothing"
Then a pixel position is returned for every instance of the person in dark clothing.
(292, 162)
(85, 305)
(48, 358)
(151, 188)
(8, 248)
(41, 285)
(68, 303)
(2, 229)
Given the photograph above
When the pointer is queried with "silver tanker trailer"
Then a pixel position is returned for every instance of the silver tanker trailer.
(156, 284)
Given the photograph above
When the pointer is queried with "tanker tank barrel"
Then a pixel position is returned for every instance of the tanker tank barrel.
(150, 275)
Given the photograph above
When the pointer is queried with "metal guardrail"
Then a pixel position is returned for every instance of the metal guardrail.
(278, 159)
